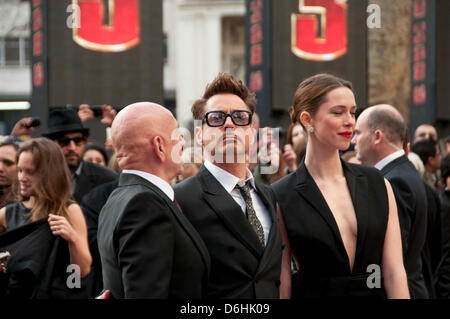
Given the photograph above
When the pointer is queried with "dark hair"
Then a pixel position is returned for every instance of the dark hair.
(98, 148)
(445, 168)
(425, 149)
(222, 84)
(312, 92)
(392, 125)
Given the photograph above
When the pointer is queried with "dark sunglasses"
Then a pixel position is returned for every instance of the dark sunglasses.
(64, 141)
(218, 118)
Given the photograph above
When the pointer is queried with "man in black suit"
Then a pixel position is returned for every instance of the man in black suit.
(379, 134)
(148, 248)
(234, 214)
(65, 128)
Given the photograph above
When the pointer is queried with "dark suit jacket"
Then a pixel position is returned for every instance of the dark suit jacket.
(91, 176)
(411, 200)
(432, 252)
(92, 204)
(443, 275)
(240, 266)
(148, 248)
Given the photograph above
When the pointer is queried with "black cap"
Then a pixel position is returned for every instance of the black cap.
(62, 121)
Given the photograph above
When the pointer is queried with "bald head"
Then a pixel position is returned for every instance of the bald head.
(133, 129)
(386, 118)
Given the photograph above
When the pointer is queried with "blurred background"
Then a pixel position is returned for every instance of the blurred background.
(63, 53)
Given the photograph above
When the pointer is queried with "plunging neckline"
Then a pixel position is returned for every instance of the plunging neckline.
(335, 224)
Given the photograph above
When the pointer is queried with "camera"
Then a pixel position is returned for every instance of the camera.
(97, 109)
(34, 122)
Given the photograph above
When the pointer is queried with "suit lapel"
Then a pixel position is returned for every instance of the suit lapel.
(310, 192)
(198, 241)
(129, 179)
(271, 242)
(229, 212)
(359, 192)
(393, 164)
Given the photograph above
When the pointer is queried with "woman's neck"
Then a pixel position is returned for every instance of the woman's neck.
(323, 163)
(29, 203)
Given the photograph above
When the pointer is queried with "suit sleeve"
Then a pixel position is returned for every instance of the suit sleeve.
(145, 238)
(405, 200)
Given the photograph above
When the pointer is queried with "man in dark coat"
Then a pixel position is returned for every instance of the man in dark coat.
(234, 214)
(65, 128)
(147, 246)
(379, 134)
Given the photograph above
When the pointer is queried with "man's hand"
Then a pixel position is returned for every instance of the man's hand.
(289, 157)
(108, 114)
(105, 295)
(21, 127)
(85, 113)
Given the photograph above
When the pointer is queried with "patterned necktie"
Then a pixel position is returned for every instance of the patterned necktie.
(250, 211)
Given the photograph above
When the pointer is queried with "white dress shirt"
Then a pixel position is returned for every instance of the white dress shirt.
(381, 164)
(229, 181)
(155, 180)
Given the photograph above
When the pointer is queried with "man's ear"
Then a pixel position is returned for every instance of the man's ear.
(378, 137)
(159, 148)
(198, 135)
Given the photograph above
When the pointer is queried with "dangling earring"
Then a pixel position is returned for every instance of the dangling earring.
(311, 129)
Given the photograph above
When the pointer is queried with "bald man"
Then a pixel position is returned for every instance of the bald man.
(148, 248)
(379, 134)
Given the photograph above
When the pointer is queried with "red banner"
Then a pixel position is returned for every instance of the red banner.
(107, 25)
(319, 30)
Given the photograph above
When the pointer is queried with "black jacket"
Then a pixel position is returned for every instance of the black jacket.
(411, 199)
(240, 266)
(148, 248)
(91, 175)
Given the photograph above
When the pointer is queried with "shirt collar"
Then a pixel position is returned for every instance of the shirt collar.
(78, 171)
(227, 180)
(381, 164)
(155, 180)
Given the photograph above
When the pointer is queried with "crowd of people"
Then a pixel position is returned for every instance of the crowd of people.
(347, 207)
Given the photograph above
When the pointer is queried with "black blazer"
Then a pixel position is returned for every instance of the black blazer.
(240, 266)
(91, 176)
(411, 199)
(91, 205)
(148, 248)
(315, 238)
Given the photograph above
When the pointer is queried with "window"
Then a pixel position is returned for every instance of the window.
(233, 46)
(14, 52)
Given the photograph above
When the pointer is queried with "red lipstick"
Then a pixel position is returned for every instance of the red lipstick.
(346, 134)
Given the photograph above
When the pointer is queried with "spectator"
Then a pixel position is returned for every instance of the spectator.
(447, 145)
(192, 161)
(66, 128)
(295, 148)
(430, 154)
(45, 194)
(95, 154)
(8, 170)
(425, 132)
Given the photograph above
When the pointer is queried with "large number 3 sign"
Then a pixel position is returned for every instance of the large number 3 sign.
(107, 25)
(319, 30)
